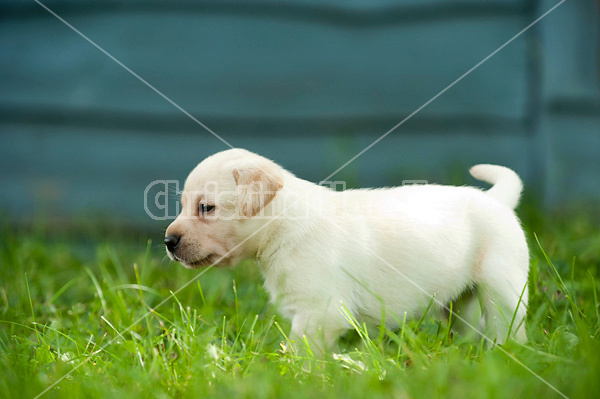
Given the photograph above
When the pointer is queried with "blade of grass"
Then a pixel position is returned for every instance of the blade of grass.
(62, 289)
(512, 321)
(98, 289)
(561, 284)
(37, 334)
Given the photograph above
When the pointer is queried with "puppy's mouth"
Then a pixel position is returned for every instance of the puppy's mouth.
(206, 261)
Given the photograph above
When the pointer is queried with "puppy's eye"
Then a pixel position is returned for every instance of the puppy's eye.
(203, 208)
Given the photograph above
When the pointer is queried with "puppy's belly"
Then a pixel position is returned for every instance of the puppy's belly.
(404, 276)
(411, 295)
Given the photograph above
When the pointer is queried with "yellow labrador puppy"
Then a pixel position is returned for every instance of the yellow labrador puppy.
(382, 251)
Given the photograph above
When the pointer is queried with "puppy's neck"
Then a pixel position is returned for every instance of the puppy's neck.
(298, 216)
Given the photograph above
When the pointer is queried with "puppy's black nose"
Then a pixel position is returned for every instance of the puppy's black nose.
(171, 241)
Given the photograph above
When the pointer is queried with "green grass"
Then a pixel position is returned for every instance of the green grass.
(68, 300)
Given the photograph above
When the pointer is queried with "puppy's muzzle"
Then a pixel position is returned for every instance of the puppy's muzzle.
(172, 242)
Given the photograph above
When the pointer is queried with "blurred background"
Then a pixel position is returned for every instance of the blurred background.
(306, 83)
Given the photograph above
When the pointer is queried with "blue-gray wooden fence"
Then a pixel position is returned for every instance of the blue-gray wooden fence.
(307, 83)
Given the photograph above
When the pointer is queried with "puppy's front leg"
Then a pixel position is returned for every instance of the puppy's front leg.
(321, 332)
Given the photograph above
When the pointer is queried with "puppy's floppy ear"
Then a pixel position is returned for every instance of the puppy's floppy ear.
(256, 188)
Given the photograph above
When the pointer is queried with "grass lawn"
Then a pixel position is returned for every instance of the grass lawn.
(82, 301)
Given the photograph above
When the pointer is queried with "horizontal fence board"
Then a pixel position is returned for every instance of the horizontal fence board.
(56, 171)
(356, 12)
(262, 67)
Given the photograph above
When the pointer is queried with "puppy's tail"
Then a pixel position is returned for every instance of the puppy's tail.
(507, 185)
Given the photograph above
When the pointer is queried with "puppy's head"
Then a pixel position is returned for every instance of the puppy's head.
(222, 203)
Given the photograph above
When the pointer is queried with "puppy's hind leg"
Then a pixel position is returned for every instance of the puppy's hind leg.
(503, 290)
(467, 309)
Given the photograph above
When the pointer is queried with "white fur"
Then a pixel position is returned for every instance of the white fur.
(377, 249)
